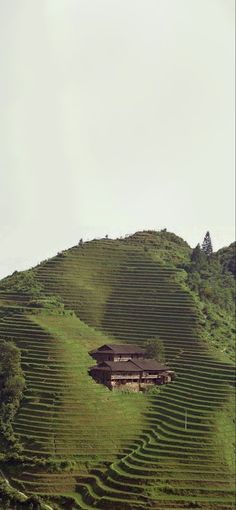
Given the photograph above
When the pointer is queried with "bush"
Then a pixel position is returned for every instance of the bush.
(155, 349)
(12, 384)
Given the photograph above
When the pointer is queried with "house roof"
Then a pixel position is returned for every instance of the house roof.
(149, 364)
(119, 349)
(120, 366)
(117, 366)
(130, 366)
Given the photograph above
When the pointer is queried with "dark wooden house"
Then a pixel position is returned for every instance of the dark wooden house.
(124, 352)
(136, 373)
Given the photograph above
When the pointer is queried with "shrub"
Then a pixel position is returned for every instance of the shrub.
(12, 384)
(155, 349)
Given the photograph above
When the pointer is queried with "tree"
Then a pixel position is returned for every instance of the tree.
(207, 245)
(13, 388)
(198, 256)
(12, 384)
(10, 358)
(155, 349)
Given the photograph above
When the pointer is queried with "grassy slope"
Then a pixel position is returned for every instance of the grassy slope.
(118, 287)
(119, 415)
(64, 414)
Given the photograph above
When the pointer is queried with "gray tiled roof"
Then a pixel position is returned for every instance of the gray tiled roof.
(122, 366)
(120, 349)
(131, 366)
(149, 364)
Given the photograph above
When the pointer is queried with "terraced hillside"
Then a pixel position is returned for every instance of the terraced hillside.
(113, 450)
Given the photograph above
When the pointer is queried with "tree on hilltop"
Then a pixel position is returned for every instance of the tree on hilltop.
(207, 244)
(198, 256)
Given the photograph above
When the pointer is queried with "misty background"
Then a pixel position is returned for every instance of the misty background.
(116, 116)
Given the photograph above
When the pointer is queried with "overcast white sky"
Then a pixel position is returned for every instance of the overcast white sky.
(116, 115)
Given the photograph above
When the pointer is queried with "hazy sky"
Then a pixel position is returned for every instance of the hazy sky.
(116, 115)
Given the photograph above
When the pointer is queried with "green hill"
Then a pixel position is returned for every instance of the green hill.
(78, 445)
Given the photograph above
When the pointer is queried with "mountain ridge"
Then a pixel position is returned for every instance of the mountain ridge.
(128, 289)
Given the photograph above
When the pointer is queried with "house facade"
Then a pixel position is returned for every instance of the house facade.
(136, 373)
(125, 352)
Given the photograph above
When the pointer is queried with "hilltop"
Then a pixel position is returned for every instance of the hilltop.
(80, 446)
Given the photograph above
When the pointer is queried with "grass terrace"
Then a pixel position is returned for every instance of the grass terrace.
(121, 451)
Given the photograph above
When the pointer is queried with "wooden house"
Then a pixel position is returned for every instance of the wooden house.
(136, 373)
(124, 352)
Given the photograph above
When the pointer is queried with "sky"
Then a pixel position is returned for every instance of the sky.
(116, 116)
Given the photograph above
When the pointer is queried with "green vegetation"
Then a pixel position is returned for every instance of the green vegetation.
(12, 384)
(155, 349)
(11, 500)
(85, 447)
(207, 245)
(227, 258)
(22, 283)
(214, 285)
(225, 431)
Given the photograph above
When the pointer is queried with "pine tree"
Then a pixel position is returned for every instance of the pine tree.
(207, 245)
